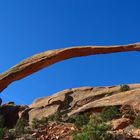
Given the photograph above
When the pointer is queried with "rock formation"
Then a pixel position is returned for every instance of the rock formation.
(71, 102)
(83, 99)
(39, 61)
(92, 100)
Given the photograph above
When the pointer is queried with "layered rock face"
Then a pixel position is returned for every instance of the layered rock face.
(78, 100)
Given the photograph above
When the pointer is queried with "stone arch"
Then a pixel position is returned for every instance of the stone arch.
(42, 60)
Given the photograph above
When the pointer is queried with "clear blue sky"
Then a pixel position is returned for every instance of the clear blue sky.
(28, 27)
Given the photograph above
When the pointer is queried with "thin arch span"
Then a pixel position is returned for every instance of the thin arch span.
(45, 59)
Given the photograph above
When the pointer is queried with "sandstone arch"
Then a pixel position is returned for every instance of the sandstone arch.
(39, 61)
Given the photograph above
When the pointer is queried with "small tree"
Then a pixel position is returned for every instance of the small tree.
(94, 130)
(124, 88)
(110, 113)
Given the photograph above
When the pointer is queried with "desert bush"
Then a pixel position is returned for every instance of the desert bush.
(68, 119)
(110, 113)
(27, 137)
(81, 136)
(2, 133)
(43, 121)
(137, 121)
(94, 130)
(20, 126)
(37, 123)
(11, 103)
(10, 134)
(55, 117)
(80, 120)
(124, 88)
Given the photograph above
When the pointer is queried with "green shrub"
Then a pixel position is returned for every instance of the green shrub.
(37, 123)
(43, 121)
(2, 133)
(68, 119)
(81, 136)
(10, 134)
(110, 113)
(124, 88)
(137, 121)
(11, 103)
(55, 117)
(20, 126)
(80, 120)
(94, 130)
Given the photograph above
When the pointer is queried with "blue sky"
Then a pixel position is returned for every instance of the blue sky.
(28, 27)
